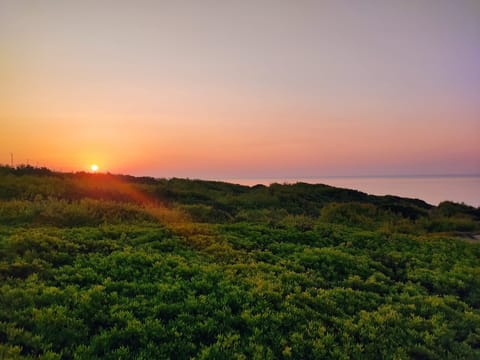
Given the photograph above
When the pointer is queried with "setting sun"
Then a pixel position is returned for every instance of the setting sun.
(94, 168)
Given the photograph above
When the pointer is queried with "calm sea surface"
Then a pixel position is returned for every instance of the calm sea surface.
(431, 189)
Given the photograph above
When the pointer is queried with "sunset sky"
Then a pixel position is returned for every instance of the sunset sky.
(222, 89)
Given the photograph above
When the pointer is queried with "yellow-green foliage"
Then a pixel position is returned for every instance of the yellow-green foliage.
(104, 267)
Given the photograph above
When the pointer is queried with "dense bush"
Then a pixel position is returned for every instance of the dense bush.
(105, 267)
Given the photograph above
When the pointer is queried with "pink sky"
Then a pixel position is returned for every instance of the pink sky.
(289, 89)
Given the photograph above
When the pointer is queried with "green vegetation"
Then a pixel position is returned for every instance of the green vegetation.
(97, 266)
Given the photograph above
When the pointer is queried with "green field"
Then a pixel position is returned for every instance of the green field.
(97, 266)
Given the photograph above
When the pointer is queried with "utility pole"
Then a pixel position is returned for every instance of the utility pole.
(11, 159)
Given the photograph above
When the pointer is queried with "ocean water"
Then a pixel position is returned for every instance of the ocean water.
(432, 189)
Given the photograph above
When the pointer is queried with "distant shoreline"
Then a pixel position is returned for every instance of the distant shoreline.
(352, 177)
(431, 188)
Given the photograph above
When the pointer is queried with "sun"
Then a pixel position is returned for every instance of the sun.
(94, 168)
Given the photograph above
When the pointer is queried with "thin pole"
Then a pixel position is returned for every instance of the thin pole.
(11, 159)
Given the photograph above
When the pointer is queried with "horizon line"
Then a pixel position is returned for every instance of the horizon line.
(269, 177)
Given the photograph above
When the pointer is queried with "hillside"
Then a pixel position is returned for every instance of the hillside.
(101, 266)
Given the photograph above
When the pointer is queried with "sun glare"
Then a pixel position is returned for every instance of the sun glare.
(94, 168)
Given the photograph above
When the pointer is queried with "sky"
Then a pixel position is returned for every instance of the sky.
(242, 89)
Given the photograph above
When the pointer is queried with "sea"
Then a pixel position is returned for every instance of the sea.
(432, 189)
